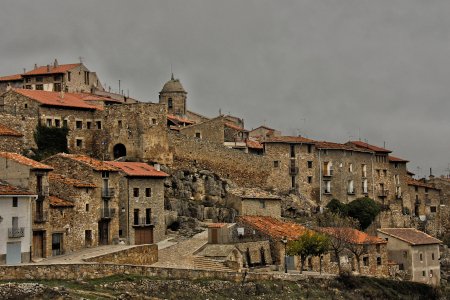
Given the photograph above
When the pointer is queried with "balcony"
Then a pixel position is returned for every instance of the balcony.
(108, 192)
(40, 216)
(293, 170)
(107, 213)
(383, 193)
(16, 232)
(142, 222)
(328, 173)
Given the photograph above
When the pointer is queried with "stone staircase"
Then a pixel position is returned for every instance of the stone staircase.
(203, 263)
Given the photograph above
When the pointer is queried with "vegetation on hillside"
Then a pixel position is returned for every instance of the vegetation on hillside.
(362, 209)
(49, 141)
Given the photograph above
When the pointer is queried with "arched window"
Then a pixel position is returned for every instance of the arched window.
(170, 103)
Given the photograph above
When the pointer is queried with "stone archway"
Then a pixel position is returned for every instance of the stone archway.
(119, 150)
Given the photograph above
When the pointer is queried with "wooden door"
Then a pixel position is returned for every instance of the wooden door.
(214, 236)
(103, 232)
(143, 236)
(38, 244)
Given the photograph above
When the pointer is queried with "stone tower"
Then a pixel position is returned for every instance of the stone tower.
(173, 96)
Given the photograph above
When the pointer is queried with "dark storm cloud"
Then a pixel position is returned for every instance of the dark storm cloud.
(330, 69)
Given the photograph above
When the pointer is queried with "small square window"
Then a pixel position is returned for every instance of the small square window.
(379, 261)
(148, 192)
(136, 192)
(262, 204)
(65, 123)
(48, 122)
(433, 209)
(15, 202)
(99, 124)
(57, 123)
(154, 122)
(105, 174)
(309, 179)
(26, 105)
(39, 87)
(88, 124)
(198, 135)
(276, 164)
(79, 124)
(309, 148)
(366, 261)
(119, 123)
(79, 143)
(310, 164)
(432, 256)
(87, 206)
(424, 273)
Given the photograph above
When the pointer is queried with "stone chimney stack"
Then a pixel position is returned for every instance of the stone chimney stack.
(55, 63)
(35, 66)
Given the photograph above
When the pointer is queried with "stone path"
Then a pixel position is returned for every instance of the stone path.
(181, 255)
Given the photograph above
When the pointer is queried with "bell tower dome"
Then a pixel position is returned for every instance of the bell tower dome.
(174, 97)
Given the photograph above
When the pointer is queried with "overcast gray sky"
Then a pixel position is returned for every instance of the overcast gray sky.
(327, 69)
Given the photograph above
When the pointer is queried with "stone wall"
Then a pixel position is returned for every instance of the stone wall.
(137, 255)
(246, 170)
(211, 130)
(11, 143)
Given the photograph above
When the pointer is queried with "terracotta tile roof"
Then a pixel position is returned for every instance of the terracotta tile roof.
(217, 225)
(70, 181)
(397, 159)
(5, 131)
(93, 97)
(53, 70)
(137, 169)
(235, 127)
(264, 127)
(8, 189)
(11, 77)
(410, 235)
(369, 146)
(54, 99)
(95, 164)
(351, 235)
(415, 182)
(252, 193)
(35, 165)
(178, 119)
(337, 146)
(58, 202)
(289, 140)
(274, 228)
(254, 144)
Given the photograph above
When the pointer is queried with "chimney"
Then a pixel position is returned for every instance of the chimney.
(48, 68)
(55, 63)
(35, 66)
(8, 87)
(157, 167)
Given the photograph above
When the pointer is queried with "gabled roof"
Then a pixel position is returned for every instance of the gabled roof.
(54, 99)
(415, 182)
(254, 144)
(15, 77)
(252, 193)
(351, 235)
(43, 70)
(7, 189)
(337, 146)
(178, 119)
(5, 131)
(35, 165)
(264, 127)
(93, 163)
(361, 144)
(235, 127)
(58, 202)
(274, 228)
(289, 140)
(410, 235)
(397, 159)
(70, 181)
(137, 169)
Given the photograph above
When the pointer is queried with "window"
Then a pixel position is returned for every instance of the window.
(309, 179)
(79, 124)
(366, 261)
(262, 204)
(136, 192)
(86, 77)
(148, 215)
(379, 261)
(87, 206)
(154, 121)
(432, 256)
(65, 123)
(350, 187)
(136, 216)
(416, 188)
(39, 87)
(39, 79)
(99, 124)
(350, 167)
(26, 105)
(57, 77)
(148, 192)
(69, 76)
(309, 148)
(433, 209)
(14, 202)
(48, 122)
(170, 103)
(421, 257)
(15, 222)
(79, 143)
(57, 123)
(119, 123)
(431, 273)
(198, 135)
(105, 174)
(396, 165)
(378, 247)
(327, 185)
(28, 87)
(378, 172)
(364, 186)
(276, 164)
(364, 170)
(88, 124)
(310, 164)
(28, 79)
(385, 173)
(292, 148)
(423, 273)
(57, 87)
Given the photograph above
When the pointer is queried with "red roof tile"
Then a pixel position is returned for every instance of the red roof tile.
(216, 225)
(55, 99)
(274, 228)
(397, 159)
(369, 146)
(351, 235)
(415, 182)
(58, 202)
(254, 144)
(35, 165)
(289, 140)
(410, 235)
(11, 77)
(53, 70)
(137, 169)
(5, 131)
(179, 119)
(70, 181)
(8, 189)
(235, 127)
(337, 146)
(95, 164)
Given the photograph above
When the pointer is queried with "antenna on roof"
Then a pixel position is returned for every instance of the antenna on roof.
(81, 59)
(384, 144)
(24, 70)
(359, 134)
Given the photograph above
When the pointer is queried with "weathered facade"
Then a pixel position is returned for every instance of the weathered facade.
(173, 96)
(253, 202)
(10, 139)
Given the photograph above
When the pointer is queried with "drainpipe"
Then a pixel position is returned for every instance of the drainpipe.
(320, 180)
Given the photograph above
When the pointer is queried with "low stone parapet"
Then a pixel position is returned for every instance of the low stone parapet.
(138, 255)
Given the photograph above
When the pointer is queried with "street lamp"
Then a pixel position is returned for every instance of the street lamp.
(284, 241)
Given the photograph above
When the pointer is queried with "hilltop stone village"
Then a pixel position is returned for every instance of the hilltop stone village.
(155, 184)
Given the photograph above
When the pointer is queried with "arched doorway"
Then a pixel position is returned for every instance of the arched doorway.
(119, 150)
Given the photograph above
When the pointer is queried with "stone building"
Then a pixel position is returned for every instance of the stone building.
(96, 126)
(173, 96)
(253, 202)
(33, 176)
(72, 78)
(104, 200)
(416, 252)
(263, 133)
(15, 223)
(10, 140)
(141, 203)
